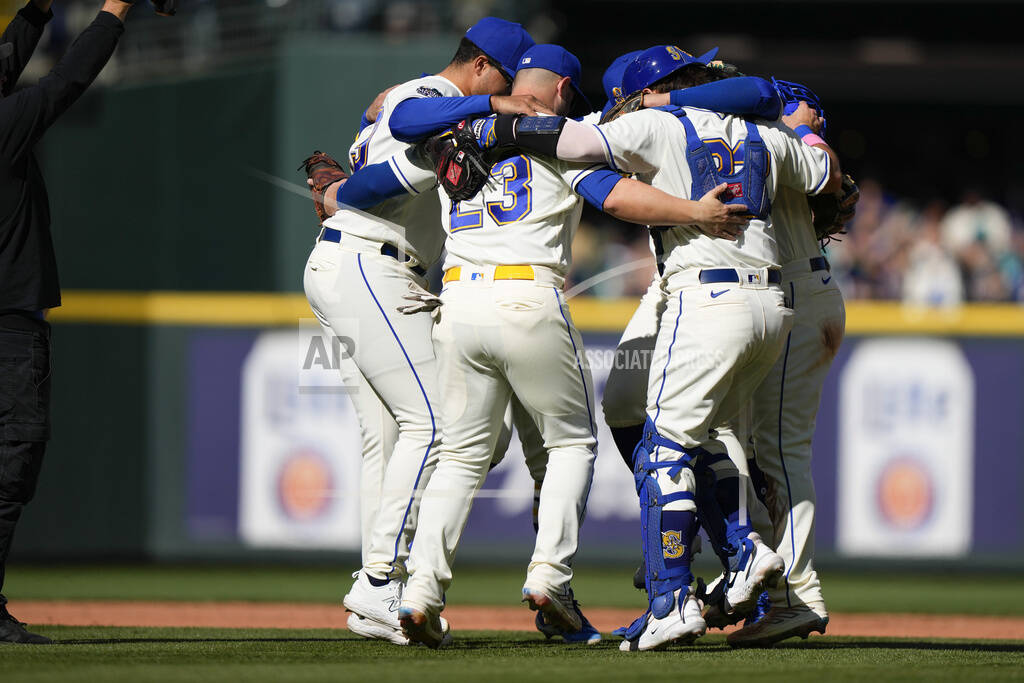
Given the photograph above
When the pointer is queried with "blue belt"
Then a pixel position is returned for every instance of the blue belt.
(819, 263)
(332, 235)
(716, 275)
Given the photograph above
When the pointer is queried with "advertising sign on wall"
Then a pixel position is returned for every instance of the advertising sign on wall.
(906, 449)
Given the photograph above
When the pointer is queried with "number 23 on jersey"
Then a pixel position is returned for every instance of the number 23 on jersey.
(516, 200)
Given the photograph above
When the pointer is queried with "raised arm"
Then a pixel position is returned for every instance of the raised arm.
(36, 108)
(23, 33)
(806, 123)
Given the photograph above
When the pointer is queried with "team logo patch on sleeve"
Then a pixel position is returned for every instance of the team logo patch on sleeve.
(428, 92)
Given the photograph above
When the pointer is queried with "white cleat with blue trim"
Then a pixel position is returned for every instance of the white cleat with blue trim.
(379, 603)
(559, 607)
(681, 626)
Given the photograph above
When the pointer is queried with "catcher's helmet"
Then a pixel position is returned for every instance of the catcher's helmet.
(792, 94)
(655, 63)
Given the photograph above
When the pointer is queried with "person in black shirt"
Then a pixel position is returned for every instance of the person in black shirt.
(28, 268)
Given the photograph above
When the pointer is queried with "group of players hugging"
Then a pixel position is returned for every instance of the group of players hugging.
(490, 161)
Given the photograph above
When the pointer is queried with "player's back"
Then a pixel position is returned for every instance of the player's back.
(794, 230)
(527, 213)
(654, 144)
(408, 221)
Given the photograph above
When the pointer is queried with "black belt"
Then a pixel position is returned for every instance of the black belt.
(332, 235)
(716, 275)
(819, 263)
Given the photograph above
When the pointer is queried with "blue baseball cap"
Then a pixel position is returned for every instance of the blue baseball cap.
(612, 79)
(503, 41)
(557, 59)
(655, 63)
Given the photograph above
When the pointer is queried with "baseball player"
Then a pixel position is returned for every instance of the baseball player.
(362, 266)
(724, 325)
(504, 329)
(625, 395)
(785, 410)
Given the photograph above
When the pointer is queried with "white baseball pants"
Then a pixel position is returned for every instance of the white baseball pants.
(496, 339)
(784, 414)
(354, 290)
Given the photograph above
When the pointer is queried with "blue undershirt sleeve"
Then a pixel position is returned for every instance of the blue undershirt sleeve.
(596, 186)
(369, 186)
(417, 118)
(743, 96)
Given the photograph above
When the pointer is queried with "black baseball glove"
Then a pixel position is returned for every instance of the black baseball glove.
(831, 212)
(462, 168)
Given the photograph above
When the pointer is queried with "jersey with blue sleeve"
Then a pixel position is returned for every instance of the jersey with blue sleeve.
(526, 214)
(652, 143)
(408, 221)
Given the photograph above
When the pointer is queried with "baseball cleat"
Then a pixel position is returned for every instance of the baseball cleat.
(779, 624)
(681, 626)
(559, 608)
(419, 627)
(368, 628)
(587, 634)
(379, 603)
(14, 631)
(764, 603)
(734, 595)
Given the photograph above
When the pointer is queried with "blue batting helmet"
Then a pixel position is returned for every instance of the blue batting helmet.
(792, 94)
(655, 63)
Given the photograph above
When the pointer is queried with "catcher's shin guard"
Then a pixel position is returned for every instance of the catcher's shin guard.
(667, 534)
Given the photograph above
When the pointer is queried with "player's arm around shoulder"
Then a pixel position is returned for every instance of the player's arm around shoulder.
(636, 141)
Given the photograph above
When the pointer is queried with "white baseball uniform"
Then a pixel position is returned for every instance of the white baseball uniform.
(505, 330)
(785, 406)
(354, 288)
(717, 340)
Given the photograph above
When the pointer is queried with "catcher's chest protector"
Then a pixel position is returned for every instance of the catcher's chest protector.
(746, 186)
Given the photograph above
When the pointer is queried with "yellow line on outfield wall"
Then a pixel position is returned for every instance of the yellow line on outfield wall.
(239, 309)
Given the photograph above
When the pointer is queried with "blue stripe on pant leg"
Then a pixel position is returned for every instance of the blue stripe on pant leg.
(576, 352)
(433, 423)
(664, 373)
(782, 458)
(586, 394)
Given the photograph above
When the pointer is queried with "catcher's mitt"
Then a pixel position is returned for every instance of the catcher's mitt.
(322, 171)
(630, 104)
(457, 160)
(831, 212)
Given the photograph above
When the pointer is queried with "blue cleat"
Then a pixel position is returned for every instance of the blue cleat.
(587, 634)
(764, 603)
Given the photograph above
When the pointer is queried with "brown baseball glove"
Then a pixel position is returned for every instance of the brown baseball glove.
(831, 212)
(632, 103)
(322, 171)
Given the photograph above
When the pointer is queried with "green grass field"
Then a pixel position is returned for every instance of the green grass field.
(1001, 594)
(266, 654)
(197, 655)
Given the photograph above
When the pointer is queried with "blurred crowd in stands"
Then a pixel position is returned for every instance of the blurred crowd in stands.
(926, 254)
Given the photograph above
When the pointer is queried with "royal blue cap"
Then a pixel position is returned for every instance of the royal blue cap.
(557, 59)
(655, 63)
(612, 79)
(503, 41)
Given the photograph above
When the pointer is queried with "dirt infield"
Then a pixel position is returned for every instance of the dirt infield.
(288, 615)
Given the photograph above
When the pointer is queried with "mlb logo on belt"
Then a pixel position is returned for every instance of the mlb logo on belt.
(754, 278)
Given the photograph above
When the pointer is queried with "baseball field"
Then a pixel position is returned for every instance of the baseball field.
(216, 623)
